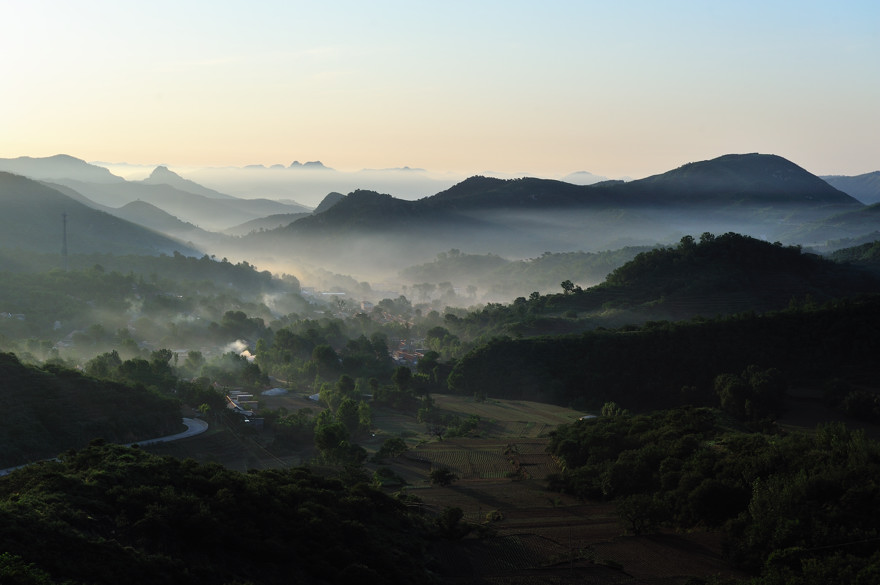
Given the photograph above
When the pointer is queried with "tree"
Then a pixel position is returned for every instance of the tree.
(442, 477)
(640, 512)
(402, 378)
(326, 359)
(390, 448)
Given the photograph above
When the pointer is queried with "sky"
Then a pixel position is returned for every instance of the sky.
(618, 88)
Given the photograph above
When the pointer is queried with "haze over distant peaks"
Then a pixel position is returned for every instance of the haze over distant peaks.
(57, 167)
(161, 175)
(583, 178)
(315, 164)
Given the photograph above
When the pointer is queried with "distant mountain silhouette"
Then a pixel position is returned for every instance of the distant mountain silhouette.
(162, 176)
(165, 189)
(754, 194)
(207, 212)
(269, 222)
(329, 201)
(58, 167)
(313, 165)
(756, 179)
(583, 178)
(31, 220)
(865, 188)
(739, 178)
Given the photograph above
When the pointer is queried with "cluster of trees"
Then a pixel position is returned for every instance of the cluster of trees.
(796, 508)
(53, 408)
(107, 514)
(663, 364)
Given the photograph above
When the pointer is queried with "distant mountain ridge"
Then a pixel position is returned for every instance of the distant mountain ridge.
(185, 199)
(60, 166)
(162, 176)
(754, 194)
(32, 219)
(865, 187)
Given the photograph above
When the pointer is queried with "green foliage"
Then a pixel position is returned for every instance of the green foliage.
(790, 505)
(449, 524)
(110, 514)
(56, 408)
(647, 367)
(390, 448)
(754, 395)
(442, 477)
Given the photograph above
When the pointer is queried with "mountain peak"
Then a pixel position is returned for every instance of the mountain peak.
(163, 174)
(314, 165)
(766, 177)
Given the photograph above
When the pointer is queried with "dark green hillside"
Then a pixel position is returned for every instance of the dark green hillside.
(663, 364)
(847, 225)
(797, 509)
(717, 275)
(867, 254)
(107, 515)
(726, 274)
(31, 220)
(48, 410)
(162, 297)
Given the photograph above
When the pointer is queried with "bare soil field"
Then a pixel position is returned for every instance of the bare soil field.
(526, 534)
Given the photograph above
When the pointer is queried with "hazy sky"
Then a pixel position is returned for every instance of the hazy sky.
(618, 88)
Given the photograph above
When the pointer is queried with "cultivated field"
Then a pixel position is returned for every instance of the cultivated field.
(528, 535)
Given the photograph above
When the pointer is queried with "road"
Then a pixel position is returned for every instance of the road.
(194, 426)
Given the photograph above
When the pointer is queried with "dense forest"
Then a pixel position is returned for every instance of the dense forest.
(106, 511)
(795, 508)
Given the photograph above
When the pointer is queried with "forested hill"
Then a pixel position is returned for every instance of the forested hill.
(715, 275)
(108, 514)
(732, 272)
(664, 364)
(32, 220)
(50, 409)
(744, 178)
(752, 179)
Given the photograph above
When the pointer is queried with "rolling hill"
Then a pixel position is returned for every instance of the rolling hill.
(755, 194)
(182, 198)
(865, 187)
(32, 220)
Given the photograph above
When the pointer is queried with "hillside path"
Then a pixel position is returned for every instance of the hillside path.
(194, 426)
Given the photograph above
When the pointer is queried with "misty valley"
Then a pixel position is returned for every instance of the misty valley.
(671, 379)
